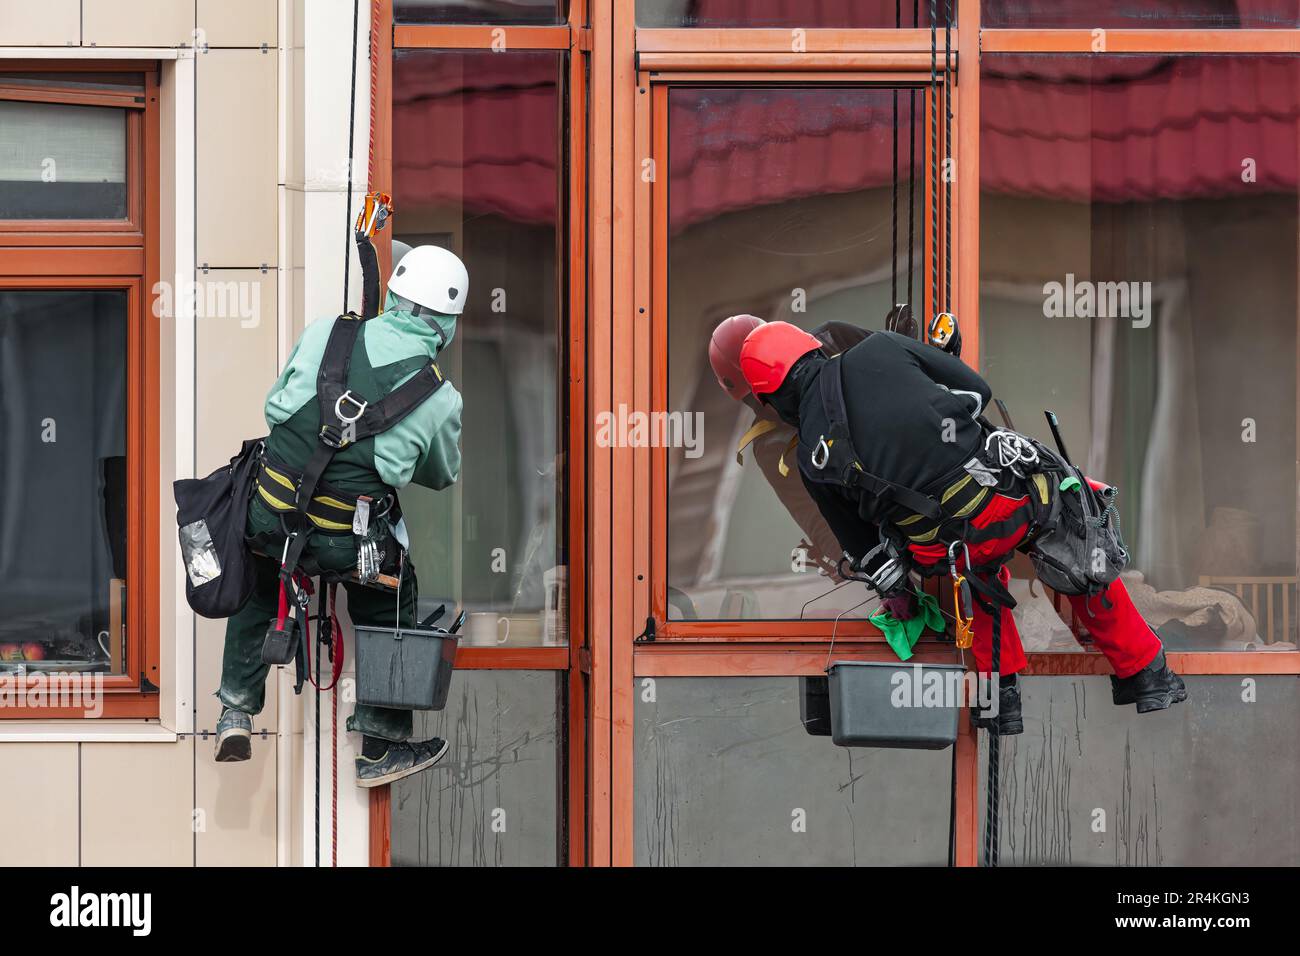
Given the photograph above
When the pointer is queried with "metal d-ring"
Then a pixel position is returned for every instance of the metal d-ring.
(360, 406)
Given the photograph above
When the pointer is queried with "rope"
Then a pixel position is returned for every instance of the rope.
(893, 235)
(992, 810)
(347, 212)
(947, 156)
(992, 604)
(934, 163)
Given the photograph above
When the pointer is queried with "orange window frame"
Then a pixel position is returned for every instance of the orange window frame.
(651, 268)
(739, 649)
(574, 660)
(114, 254)
(617, 349)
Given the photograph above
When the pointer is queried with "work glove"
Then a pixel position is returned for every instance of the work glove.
(902, 606)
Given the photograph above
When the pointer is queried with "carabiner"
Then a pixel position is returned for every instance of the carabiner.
(821, 454)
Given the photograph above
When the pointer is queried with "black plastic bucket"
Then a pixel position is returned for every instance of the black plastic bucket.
(876, 704)
(408, 669)
(815, 706)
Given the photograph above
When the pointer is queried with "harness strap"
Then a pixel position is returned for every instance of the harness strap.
(755, 432)
(347, 419)
(853, 474)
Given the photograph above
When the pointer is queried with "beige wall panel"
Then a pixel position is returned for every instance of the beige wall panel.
(137, 803)
(209, 642)
(236, 339)
(51, 23)
(39, 803)
(238, 158)
(137, 22)
(235, 346)
(237, 824)
(295, 270)
(238, 22)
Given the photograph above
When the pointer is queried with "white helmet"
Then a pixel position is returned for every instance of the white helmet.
(433, 277)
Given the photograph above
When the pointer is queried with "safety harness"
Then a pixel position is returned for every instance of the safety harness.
(345, 419)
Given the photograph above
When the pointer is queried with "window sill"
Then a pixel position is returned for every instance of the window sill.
(85, 731)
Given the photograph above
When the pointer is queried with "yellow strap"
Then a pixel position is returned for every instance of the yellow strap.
(280, 479)
(781, 466)
(756, 431)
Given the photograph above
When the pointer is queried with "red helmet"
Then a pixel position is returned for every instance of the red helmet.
(724, 353)
(769, 353)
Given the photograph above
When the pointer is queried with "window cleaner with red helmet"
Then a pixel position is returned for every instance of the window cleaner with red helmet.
(768, 437)
(911, 477)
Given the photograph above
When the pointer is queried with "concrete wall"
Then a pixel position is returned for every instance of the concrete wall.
(253, 210)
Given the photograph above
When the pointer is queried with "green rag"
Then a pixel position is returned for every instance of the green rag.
(903, 635)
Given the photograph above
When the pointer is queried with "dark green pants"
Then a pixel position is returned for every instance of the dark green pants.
(243, 673)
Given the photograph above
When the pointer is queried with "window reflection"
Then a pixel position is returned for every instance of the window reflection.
(725, 775)
(494, 799)
(479, 11)
(1213, 782)
(1138, 250)
(63, 560)
(1141, 14)
(845, 14)
(781, 204)
(477, 166)
(59, 161)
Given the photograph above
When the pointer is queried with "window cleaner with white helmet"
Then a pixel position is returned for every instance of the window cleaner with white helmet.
(360, 411)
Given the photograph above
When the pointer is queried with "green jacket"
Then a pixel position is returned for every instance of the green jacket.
(422, 448)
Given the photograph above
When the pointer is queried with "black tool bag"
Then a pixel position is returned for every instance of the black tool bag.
(1078, 548)
(211, 513)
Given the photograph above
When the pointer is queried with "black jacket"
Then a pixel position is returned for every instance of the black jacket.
(912, 413)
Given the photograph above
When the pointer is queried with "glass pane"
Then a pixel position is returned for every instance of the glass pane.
(725, 775)
(62, 162)
(477, 167)
(85, 82)
(63, 521)
(1213, 782)
(845, 14)
(1137, 270)
(781, 203)
(1141, 14)
(479, 11)
(494, 800)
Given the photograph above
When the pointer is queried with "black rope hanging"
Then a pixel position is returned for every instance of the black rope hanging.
(911, 175)
(893, 233)
(934, 161)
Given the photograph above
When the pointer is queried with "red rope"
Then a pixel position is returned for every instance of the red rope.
(374, 86)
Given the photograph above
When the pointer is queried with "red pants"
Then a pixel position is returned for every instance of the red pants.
(1117, 628)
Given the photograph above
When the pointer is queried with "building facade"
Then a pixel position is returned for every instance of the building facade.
(1105, 194)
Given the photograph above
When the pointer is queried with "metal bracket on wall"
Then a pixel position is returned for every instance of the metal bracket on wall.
(648, 635)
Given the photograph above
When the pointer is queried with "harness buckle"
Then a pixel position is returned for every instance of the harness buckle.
(821, 454)
(358, 404)
(336, 437)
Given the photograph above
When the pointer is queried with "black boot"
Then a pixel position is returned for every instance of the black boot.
(1154, 687)
(1009, 720)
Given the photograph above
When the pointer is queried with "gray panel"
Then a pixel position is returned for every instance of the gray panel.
(492, 801)
(1213, 781)
(723, 766)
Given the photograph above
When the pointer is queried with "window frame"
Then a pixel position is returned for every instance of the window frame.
(119, 254)
(613, 349)
(887, 71)
(755, 648)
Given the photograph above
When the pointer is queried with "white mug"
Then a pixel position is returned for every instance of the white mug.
(483, 629)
